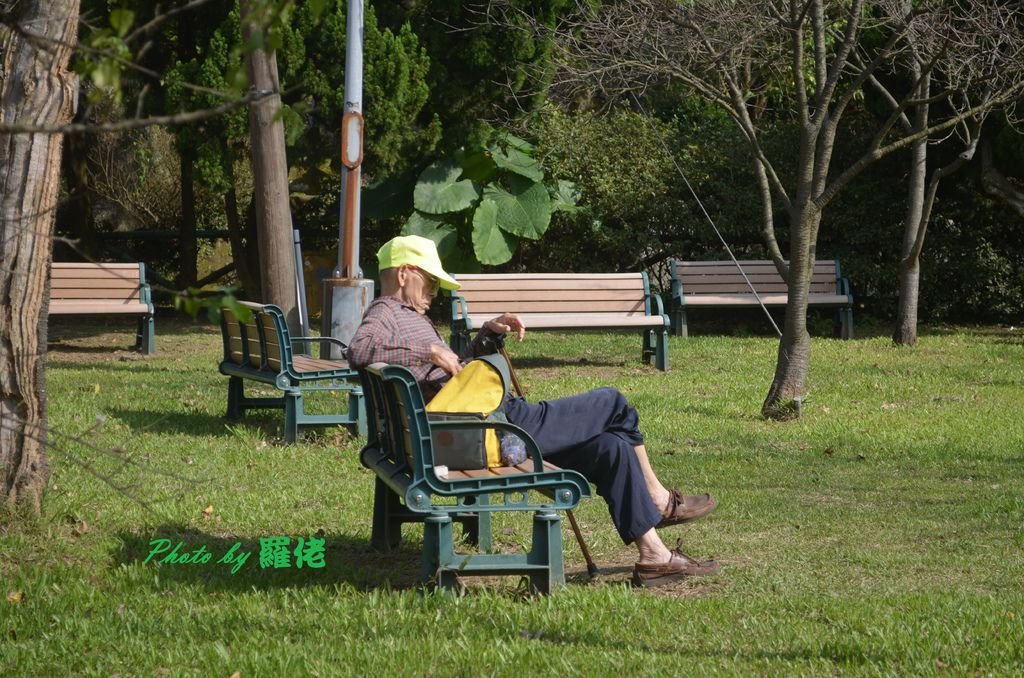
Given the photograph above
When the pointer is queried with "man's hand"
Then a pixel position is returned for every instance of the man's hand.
(505, 323)
(445, 358)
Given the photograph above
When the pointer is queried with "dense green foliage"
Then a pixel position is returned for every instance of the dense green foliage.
(881, 534)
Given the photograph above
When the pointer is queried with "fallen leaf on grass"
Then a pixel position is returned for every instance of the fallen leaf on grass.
(829, 450)
(208, 511)
(15, 597)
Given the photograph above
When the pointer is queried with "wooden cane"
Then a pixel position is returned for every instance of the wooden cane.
(592, 570)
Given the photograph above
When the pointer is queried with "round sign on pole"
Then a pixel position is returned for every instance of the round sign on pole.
(352, 139)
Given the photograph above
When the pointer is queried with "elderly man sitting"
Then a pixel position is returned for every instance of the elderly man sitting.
(596, 433)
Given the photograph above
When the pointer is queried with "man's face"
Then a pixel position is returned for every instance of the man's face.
(418, 288)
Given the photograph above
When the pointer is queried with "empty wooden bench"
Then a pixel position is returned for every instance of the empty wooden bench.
(260, 348)
(104, 289)
(410, 488)
(719, 284)
(562, 301)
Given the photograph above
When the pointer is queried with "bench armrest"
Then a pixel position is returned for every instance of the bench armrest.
(460, 312)
(657, 306)
(330, 340)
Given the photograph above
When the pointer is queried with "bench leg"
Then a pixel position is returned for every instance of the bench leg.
(357, 410)
(386, 532)
(292, 415)
(236, 397)
(438, 548)
(848, 323)
(679, 328)
(655, 348)
(546, 549)
(145, 339)
(661, 351)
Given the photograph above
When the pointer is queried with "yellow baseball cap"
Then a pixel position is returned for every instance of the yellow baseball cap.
(415, 250)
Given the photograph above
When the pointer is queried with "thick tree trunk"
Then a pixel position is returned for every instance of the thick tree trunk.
(270, 185)
(786, 392)
(36, 88)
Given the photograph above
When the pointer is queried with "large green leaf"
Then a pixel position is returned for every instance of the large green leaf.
(514, 160)
(524, 209)
(565, 196)
(439, 190)
(477, 164)
(390, 197)
(430, 226)
(491, 245)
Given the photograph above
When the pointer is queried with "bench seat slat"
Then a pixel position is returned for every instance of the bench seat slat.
(303, 363)
(554, 321)
(89, 307)
(769, 299)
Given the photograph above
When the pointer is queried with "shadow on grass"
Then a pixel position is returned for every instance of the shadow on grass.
(564, 361)
(191, 423)
(346, 560)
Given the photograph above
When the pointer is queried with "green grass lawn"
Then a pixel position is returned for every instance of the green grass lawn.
(882, 533)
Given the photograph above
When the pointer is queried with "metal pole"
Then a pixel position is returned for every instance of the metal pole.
(300, 283)
(352, 143)
(347, 294)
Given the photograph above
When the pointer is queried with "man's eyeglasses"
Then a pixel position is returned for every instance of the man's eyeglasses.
(432, 283)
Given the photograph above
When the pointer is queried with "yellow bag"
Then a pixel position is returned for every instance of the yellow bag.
(474, 394)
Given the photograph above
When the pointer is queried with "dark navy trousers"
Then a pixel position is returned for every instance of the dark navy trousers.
(594, 433)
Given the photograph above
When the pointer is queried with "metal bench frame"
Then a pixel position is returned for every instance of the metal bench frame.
(564, 301)
(408, 489)
(722, 286)
(261, 349)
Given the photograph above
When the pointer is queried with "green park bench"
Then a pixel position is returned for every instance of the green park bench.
(261, 349)
(409, 487)
(104, 289)
(563, 301)
(719, 284)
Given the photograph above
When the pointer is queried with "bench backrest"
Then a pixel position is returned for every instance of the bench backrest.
(397, 418)
(723, 277)
(262, 342)
(577, 293)
(92, 282)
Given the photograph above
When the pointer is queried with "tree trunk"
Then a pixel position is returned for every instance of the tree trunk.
(905, 330)
(270, 180)
(36, 88)
(187, 246)
(786, 392)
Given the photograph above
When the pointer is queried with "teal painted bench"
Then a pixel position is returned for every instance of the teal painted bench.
(563, 301)
(104, 289)
(719, 284)
(261, 349)
(409, 487)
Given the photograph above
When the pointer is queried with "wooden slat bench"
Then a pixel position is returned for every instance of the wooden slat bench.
(719, 284)
(104, 289)
(408, 489)
(261, 349)
(550, 301)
